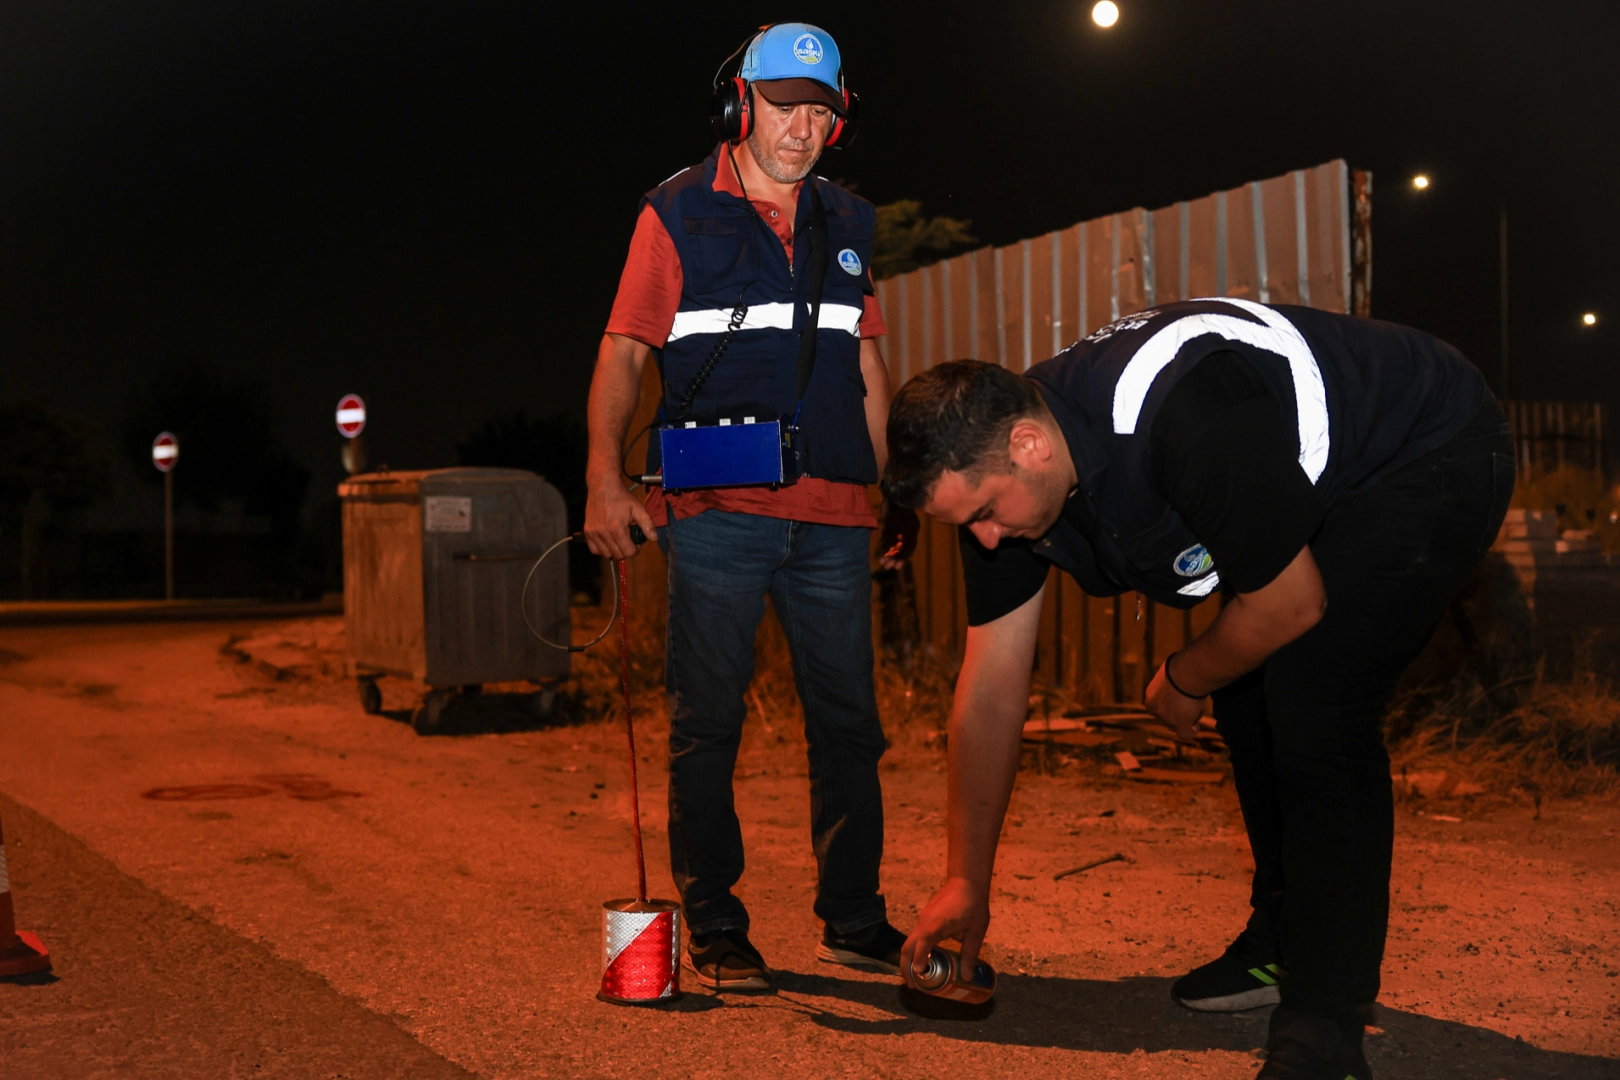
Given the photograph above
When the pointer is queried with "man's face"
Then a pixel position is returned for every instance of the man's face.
(787, 139)
(1024, 500)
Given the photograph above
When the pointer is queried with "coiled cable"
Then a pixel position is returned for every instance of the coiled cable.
(636, 535)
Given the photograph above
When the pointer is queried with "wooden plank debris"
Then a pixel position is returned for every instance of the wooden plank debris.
(1092, 865)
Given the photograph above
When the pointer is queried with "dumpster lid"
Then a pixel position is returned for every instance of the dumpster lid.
(393, 486)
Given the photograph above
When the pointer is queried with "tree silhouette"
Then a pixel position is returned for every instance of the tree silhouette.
(904, 239)
(51, 462)
(228, 443)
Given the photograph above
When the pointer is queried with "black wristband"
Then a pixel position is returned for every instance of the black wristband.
(1171, 679)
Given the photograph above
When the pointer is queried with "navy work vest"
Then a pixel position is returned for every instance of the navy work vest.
(729, 256)
(1368, 397)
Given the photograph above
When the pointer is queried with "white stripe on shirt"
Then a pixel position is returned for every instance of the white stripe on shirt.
(845, 317)
(1278, 335)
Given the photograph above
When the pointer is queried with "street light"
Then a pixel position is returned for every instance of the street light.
(1589, 319)
(1420, 182)
(1105, 13)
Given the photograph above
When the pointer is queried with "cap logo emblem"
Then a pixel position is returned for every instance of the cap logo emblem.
(1194, 562)
(850, 261)
(807, 47)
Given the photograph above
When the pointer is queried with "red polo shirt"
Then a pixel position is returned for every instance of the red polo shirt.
(644, 309)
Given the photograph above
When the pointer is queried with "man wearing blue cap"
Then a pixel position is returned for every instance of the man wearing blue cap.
(749, 280)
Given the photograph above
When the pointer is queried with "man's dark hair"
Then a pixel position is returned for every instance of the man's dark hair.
(954, 416)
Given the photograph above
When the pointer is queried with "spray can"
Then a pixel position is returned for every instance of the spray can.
(641, 951)
(943, 977)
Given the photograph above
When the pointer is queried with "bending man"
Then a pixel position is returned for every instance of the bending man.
(1338, 478)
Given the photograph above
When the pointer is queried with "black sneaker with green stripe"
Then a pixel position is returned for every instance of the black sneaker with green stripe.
(1244, 977)
(877, 948)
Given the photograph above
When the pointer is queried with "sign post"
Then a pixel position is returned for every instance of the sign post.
(351, 421)
(165, 452)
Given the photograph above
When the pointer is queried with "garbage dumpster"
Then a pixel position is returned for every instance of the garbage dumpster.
(434, 565)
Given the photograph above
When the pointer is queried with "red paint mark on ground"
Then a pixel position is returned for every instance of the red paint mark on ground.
(205, 792)
(307, 787)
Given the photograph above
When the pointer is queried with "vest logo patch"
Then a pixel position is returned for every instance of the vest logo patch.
(1194, 562)
(850, 261)
(807, 48)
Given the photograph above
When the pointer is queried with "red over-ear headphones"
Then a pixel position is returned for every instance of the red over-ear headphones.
(731, 110)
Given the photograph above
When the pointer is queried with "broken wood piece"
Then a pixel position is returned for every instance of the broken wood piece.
(1075, 738)
(1129, 718)
(1127, 761)
(1178, 776)
(1038, 728)
(1092, 865)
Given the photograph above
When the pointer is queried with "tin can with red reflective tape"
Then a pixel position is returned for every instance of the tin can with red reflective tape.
(641, 952)
(943, 977)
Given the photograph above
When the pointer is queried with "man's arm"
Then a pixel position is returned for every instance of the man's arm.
(986, 733)
(615, 389)
(878, 393)
(1249, 628)
(1225, 456)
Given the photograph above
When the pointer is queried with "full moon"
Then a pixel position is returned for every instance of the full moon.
(1106, 13)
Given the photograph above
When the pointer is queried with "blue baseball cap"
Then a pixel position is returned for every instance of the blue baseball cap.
(794, 62)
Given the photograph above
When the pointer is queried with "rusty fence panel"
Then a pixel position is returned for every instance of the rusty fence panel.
(1552, 434)
(1300, 238)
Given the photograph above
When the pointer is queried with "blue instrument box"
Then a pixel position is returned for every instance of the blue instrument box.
(722, 455)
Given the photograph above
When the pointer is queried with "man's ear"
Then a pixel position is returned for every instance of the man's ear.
(1029, 444)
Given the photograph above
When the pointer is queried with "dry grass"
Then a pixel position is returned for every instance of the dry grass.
(1536, 735)
(1531, 733)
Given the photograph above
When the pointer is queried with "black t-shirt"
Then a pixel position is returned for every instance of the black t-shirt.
(1225, 456)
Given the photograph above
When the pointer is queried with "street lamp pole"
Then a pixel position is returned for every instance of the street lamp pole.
(168, 535)
(1502, 266)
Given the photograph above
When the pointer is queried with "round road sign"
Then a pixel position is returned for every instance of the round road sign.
(351, 415)
(165, 451)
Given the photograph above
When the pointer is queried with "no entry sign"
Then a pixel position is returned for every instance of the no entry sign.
(351, 415)
(165, 451)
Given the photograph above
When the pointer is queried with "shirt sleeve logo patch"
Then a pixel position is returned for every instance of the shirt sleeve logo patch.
(1194, 562)
(850, 261)
(807, 47)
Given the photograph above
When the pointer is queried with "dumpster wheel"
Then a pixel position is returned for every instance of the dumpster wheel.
(370, 696)
(429, 716)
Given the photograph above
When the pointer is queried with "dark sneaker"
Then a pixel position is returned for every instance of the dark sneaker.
(1311, 1048)
(877, 948)
(725, 960)
(1244, 977)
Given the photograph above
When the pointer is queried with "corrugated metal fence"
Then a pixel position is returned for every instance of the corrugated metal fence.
(1301, 238)
(1551, 434)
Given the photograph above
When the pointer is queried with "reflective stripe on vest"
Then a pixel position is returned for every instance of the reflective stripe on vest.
(1278, 336)
(845, 317)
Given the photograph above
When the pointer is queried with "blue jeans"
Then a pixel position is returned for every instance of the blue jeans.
(721, 567)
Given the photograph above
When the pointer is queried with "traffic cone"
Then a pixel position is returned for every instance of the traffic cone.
(21, 953)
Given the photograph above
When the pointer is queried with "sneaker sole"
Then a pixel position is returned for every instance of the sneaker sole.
(1250, 999)
(829, 955)
(752, 982)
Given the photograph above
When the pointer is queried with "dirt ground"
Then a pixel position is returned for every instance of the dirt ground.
(315, 892)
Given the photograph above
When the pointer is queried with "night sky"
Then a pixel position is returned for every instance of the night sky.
(430, 203)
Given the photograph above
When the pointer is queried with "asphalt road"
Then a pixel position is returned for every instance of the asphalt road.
(239, 874)
(142, 986)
